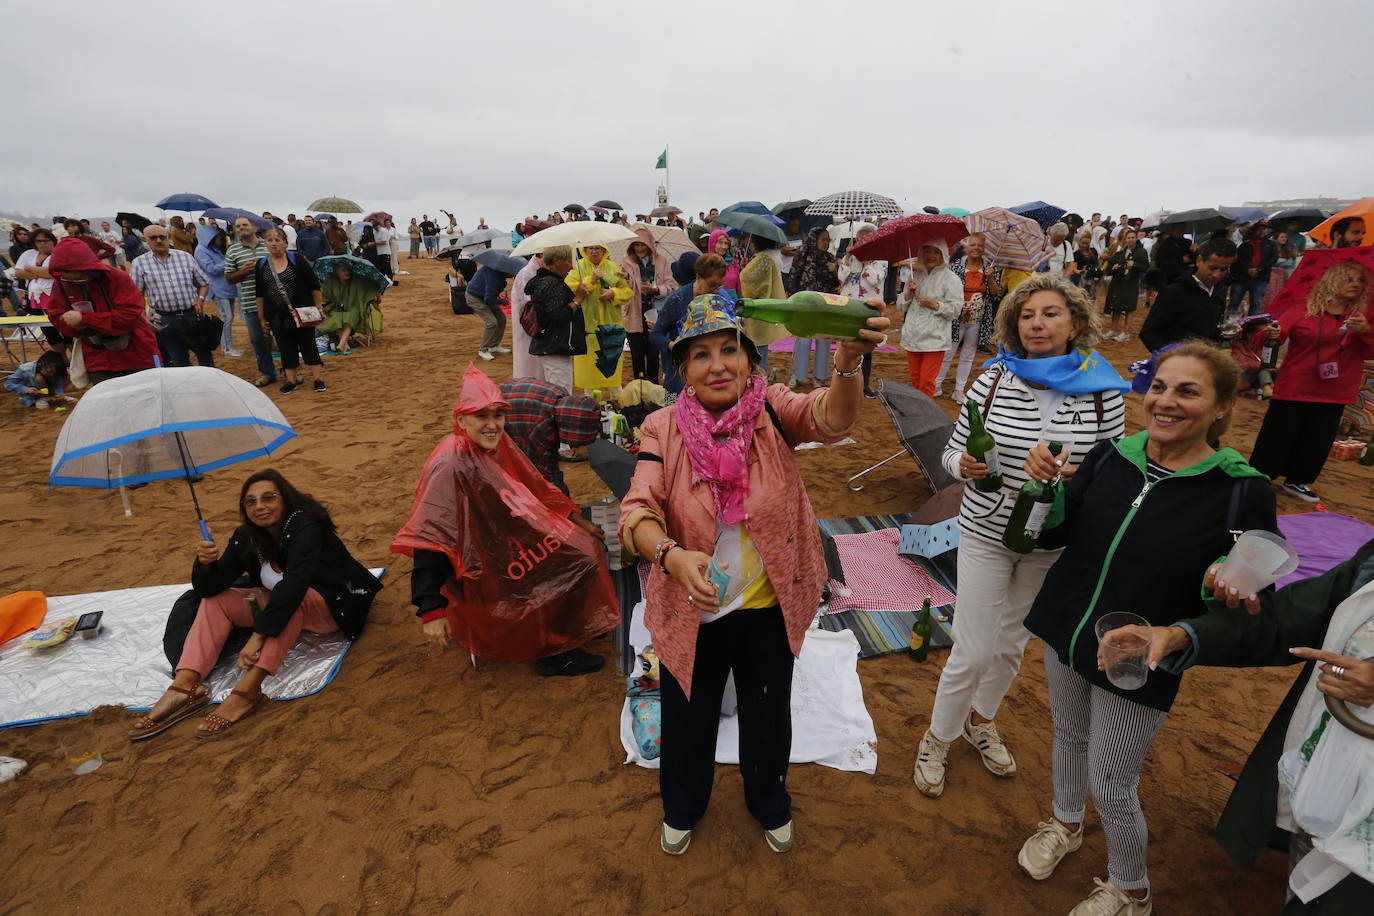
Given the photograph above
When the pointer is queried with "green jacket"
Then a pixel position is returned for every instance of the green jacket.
(1296, 615)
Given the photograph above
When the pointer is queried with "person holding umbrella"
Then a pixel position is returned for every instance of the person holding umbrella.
(301, 577)
(607, 291)
(717, 469)
(102, 309)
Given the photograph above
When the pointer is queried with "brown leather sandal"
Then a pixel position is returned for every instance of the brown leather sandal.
(218, 723)
(196, 697)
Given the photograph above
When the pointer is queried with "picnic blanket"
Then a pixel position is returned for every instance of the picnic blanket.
(830, 724)
(1323, 540)
(125, 665)
(878, 612)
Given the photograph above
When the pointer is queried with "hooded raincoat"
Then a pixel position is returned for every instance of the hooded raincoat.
(732, 261)
(663, 279)
(111, 307)
(598, 278)
(522, 581)
(212, 262)
(929, 330)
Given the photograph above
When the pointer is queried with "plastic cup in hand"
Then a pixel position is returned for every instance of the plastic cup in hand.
(80, 745)
(1256, 561)
(1126, 652)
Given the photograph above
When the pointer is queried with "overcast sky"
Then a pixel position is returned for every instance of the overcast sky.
(502, 109)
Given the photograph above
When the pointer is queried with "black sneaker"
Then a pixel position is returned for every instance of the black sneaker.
(287, 387)
(870, 393)
(319, 385)
(1301, 491)
(569, 664)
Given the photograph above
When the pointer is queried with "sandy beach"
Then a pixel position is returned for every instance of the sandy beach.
(415, 783)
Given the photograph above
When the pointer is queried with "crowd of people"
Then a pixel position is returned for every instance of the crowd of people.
(506, 566)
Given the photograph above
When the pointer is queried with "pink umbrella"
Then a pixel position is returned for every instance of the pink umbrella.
(1013, 241)
(900, 239)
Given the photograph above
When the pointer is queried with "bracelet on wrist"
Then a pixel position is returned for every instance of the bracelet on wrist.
(661, 552)
(846, 373)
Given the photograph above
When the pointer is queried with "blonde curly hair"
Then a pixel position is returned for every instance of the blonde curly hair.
(1006, 327)
(1324, 293)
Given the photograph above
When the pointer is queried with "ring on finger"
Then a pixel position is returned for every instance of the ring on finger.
(1338, 672)
(691, 599)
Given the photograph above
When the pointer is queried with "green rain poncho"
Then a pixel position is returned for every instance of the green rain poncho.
(353, 303)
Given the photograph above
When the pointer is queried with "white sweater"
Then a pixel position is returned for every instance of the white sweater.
(927, 330)
(1015, 423)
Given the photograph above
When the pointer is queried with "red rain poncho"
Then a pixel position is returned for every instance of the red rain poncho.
(527, 582)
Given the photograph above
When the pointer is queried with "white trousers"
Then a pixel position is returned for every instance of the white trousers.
(967, 347)
(558, 370)
(995, 589)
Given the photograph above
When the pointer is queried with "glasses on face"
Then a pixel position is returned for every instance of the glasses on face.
(267, 499)
(155, 238)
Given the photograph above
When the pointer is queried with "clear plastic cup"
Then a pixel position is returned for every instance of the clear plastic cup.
(1256, 561)
(79, 742)
(1126, 653)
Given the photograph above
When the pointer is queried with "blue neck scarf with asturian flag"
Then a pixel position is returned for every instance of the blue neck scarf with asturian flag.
(1080, 371)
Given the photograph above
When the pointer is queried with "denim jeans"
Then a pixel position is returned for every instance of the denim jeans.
(227, 308)
(1255, 286)
(801, 359)
(262, 346)
(174, 348)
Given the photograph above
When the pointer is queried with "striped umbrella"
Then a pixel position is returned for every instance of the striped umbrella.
(1015, 242)
(854, 205)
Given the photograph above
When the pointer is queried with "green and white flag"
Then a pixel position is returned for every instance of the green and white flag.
(662, 159)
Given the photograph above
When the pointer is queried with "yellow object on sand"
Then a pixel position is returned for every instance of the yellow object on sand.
(21, 612)
(51, 636)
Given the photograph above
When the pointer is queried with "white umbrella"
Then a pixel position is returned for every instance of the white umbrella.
(578, 234)
(160, 424)
(671, 241)
(480, 237)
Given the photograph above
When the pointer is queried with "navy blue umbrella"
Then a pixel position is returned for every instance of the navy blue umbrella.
(186, 201)
(1044, 214)
(500, 262)
(232, 213)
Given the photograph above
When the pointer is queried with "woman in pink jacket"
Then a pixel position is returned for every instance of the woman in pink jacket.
(718, 506)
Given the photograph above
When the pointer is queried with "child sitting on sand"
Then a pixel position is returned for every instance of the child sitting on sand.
(35, 382)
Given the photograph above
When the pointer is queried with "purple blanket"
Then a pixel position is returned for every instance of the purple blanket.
(1322, 540)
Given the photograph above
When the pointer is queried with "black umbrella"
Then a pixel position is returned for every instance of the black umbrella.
(610, 344)
(789, 208)
(608, 204)
(922, 429)
(1307, 217)
(612, 464)
(138, 222)
(1199, 221)
(574, 208)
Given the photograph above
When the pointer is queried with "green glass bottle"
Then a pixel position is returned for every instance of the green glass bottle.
(1269, 352)
(983, 447)
(253, 607)
(920, 634)
(1032, 507)
(811, 314)
(1368, 458)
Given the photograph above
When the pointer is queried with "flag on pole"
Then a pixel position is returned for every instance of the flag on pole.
(662, 160)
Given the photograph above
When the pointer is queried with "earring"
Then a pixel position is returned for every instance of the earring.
(691, 390)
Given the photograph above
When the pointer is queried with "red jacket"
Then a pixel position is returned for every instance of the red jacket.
(1299, 377)
(118, 309)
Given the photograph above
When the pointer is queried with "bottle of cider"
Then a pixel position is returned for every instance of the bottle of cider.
(1032, 507)
(920, 634)
(811, 314)
(983, 447)
(1269, 352)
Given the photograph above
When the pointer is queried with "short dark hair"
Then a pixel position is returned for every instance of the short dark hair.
(1218, 248)
(1342, 225)
(51, 361)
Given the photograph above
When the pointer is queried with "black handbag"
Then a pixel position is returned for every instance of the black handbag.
(199, 331)
(457, 297)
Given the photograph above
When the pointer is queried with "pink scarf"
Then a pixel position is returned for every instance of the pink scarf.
(719, 449)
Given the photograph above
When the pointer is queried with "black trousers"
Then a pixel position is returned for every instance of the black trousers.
(295, 344)
(1295, 439)
(643, 356)
(753, 644)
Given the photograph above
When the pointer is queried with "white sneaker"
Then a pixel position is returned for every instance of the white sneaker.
(929, 774)
(959, 398)
(234, 353)
(1109, 900)
(501, 350)
(781, 838)
(939, 389)
(1123, 336)
(990, 747)
(485, 354)
(1041, 854)
(674, 842)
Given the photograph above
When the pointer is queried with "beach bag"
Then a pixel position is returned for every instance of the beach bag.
(646, 718)
(307, 316)
(76, 369)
